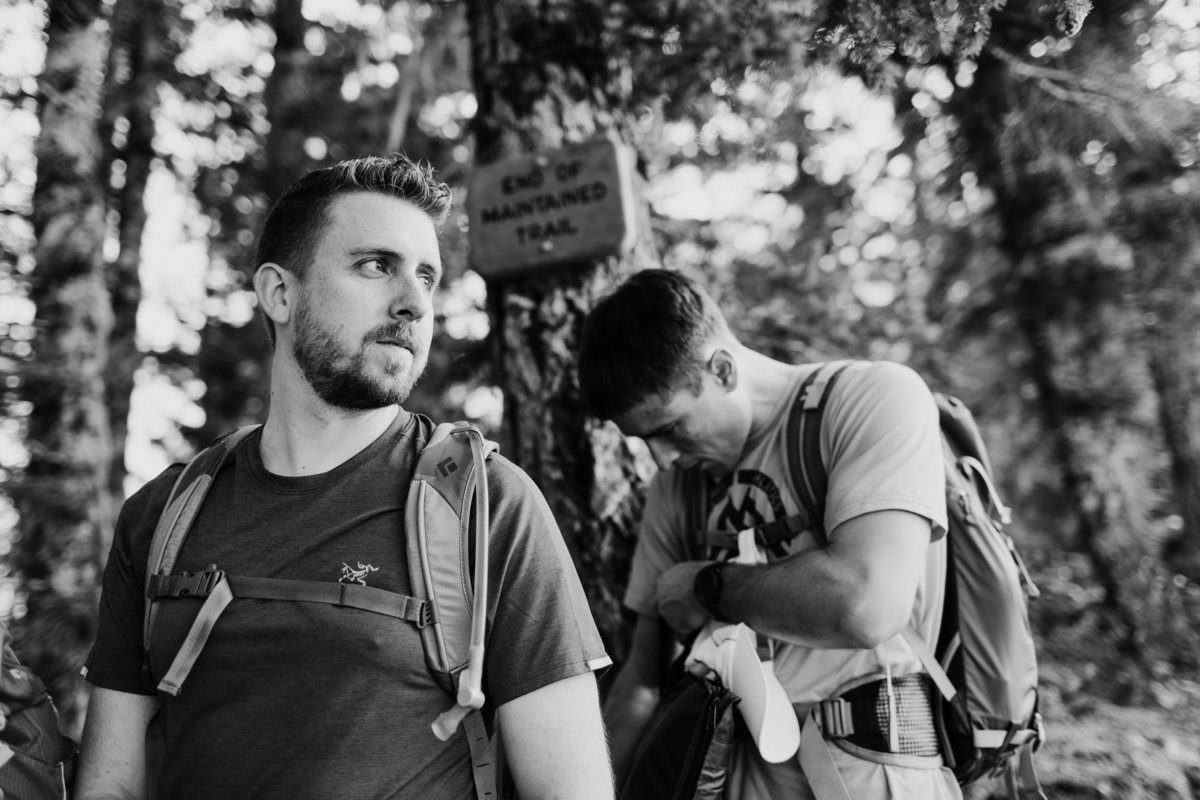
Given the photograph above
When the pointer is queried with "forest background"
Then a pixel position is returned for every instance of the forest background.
(1004, 196)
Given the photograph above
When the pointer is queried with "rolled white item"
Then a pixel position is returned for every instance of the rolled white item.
(731, 652)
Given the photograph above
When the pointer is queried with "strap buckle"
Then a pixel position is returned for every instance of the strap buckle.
(425, 615)
(836, 722)
(186, 584)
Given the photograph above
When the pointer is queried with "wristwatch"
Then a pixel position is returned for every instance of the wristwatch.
(707, 587)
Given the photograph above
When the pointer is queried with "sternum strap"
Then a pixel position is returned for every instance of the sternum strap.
(351, 595)
(219, 589)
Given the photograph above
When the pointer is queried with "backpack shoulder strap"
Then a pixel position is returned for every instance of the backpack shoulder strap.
(183, 504)
(438, 541)
(959, 426)
(695, 514)
(809, 476)
(448, 491)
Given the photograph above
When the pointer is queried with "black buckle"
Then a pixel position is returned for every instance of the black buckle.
(186, 584)
(836, 721)
(425, 615)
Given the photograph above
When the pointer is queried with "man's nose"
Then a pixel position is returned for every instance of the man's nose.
(410, 299)
(664, 454)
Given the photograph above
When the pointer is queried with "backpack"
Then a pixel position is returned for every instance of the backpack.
(36, 760)
(448, 491)
(983, 663)
(685, 749)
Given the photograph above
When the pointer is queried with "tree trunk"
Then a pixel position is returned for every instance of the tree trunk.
(64, 501)
(140, 48)
(1082, 494)
(1172, 361)
(544, 79)
(1026, 121)
(1162, 219)
(233, 360)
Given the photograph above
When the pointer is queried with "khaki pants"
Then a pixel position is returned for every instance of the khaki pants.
(867, 775)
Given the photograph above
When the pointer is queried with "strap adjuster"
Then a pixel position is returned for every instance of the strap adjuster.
(836, 722)
(425, 615)
(186, 584)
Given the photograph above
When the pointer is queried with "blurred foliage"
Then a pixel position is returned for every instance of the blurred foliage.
(1003, 195)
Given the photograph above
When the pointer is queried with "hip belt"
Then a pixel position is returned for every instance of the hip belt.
(860, 715)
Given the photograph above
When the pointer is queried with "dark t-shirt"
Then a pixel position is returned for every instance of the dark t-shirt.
(308, 700)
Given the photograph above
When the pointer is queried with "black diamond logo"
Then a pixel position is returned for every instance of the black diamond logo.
(446, 466)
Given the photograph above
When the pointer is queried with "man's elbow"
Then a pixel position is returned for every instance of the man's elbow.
(866, 625)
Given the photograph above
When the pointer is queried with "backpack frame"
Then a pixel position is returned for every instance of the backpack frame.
(447, 571)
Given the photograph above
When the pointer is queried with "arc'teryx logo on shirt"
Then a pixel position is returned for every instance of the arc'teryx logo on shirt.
(356, 574)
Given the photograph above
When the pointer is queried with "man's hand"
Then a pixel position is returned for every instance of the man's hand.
(676, 600)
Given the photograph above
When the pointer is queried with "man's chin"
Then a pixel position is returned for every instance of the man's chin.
(365, 395)
(715, 468)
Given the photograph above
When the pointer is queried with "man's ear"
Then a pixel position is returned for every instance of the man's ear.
(272, 284)
(723, 366)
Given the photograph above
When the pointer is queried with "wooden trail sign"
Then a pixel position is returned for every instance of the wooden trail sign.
(568, 206)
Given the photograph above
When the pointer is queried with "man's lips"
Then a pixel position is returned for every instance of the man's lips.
(396, 339)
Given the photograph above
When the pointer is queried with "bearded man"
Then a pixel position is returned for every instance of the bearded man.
(297, 700)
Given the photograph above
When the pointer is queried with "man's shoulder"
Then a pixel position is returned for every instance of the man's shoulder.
(141, 510)
(870, 373)
(880, 382)
(509, 481)
(156, 490)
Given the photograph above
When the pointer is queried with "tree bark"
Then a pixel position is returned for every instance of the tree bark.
(1172, 359)
(233, 359)
(64, 501)
(1092, 520)
(543, 79)
(1028, 122)
(140, 49)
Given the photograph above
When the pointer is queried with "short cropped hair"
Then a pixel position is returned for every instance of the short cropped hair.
(298, 219)
(645, 340)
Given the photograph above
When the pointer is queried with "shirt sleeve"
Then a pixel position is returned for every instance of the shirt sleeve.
(117, 655)
(542, 629)
(882, 441)
(662, 540)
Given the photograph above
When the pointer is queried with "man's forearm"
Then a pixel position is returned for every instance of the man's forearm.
(796, 600)
(855, 593)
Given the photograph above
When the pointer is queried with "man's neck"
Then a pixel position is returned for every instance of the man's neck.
(310, 439)
(767, 381)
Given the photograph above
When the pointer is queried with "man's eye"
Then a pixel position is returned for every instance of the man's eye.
(373, 266)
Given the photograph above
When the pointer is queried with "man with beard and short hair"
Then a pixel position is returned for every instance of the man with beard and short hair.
(312, 700)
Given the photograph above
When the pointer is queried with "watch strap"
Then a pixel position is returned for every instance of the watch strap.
(707, 587)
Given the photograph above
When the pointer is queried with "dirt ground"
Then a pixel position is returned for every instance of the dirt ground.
(1097, 749)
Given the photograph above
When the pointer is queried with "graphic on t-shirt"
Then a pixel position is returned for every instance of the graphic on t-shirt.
(356, 574)
(751, 499)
